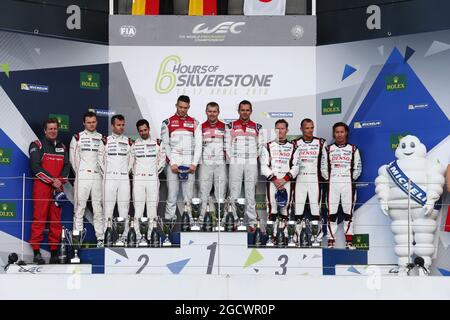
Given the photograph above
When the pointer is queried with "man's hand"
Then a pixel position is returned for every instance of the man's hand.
(279, 184)
(174, 168)
(57, 184)
(192, 168)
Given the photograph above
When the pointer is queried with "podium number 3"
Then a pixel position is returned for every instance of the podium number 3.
(282, 265)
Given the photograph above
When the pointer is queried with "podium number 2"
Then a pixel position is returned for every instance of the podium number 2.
(143, 257)
(283, 265)
(212, 255)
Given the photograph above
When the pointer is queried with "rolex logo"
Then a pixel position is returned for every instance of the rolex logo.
(4, 206)
(395, 79)
(1, 152)
(331, 103)
(90, 77)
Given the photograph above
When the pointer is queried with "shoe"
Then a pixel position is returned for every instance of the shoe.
(100, 243)
(330, 243)
(349, 245)
(54, 260)
(38, 259)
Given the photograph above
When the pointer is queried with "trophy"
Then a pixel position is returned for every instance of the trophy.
(196, 207)
(185, 219)
(269, 231)
(144, 224)
(75, 239)
(240, 211)
(229, 218)
(316, 228)
(119, 227)
(167, 229)
(291, 233)
(219, 214)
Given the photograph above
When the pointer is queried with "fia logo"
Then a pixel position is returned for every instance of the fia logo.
(221, 28)
(127, 31)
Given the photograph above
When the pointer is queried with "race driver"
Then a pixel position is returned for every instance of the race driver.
(49, 161)
(148, 160)
(212, 170)
(341, 166)
(244, 141)
(88, 179)
(114, 162)
(308, 186)
(279, 160)
(182, 139)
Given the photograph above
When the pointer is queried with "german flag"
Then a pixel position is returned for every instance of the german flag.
(208, 7)
(152, 7)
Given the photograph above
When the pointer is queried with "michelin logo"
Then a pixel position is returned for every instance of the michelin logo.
(278, 114)
(366, 124)
(103, 112)
(33, 87)
(418, 106)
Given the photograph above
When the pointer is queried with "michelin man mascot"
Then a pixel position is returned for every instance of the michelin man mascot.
(426, 185)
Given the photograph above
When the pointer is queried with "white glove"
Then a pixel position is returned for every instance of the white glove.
(429, 207)
(385, 209)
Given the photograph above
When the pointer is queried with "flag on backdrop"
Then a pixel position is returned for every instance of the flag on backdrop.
(208, 7)
(264, 7)
(152, 7)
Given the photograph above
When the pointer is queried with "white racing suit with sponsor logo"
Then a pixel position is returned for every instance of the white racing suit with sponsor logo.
(341, 166)
(84, 148)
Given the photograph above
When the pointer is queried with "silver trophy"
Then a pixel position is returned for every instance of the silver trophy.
(119, 227)
(196, 207)
(240, 211)
(315, 228)
(219, 215)
(291, 228)
(144, 224)
(269, 231)
(75, 239)
(167, 229)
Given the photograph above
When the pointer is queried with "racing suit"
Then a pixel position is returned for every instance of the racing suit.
(114, 163)
(307, 186)
(243, 145)
(148, 159)
(49, 160)
(341, 166)
(279, 160)
(213, 168)
(182, 139)
(83, 157)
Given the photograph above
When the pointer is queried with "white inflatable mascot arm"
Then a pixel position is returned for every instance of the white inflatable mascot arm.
(382, 188)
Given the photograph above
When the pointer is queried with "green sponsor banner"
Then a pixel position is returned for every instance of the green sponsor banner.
(395, 138)
(7, 210)
(395, 82)
(5, 156)
(89, 80)
(63, 121)
(331, 106)
(361, 241)
(261, 202)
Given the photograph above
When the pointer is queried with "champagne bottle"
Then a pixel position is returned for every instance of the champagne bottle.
(207, 220)
(258, 234)
(108, 240)
(280, 235)
(131, 237)
(229, 220)
(154, 236)
(304, 241)
(62, 256)
(185, 220)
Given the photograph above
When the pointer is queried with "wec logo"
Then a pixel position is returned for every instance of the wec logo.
(224, 27)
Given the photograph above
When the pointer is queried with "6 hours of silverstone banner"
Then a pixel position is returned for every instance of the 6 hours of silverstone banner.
(279, 80)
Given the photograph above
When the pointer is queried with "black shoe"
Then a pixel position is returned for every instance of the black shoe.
(54, 260)
(38, 259)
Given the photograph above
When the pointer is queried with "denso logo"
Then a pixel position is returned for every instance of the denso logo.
(309, 153)
(340, 158)
(224, 27)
